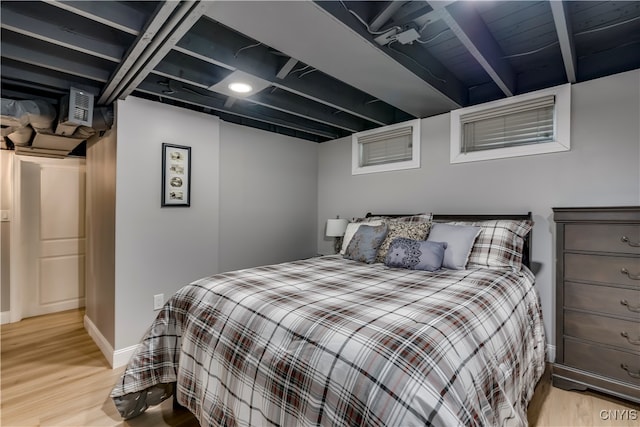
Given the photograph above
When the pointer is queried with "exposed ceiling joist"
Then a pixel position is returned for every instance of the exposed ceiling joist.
(357, 63)
(22, 94)
(286, 103)
(57, 35)
(320, 113)
(414, 76)
(239, 108)
(60, 83)
(286, 68)
(52, 61)
(203, 58)
(422, 18)
(117, 15)
(265, 65)
(134, 59)
(385, 14)
(325, 69)
(565, 38)
(185, 17)
(467, 25)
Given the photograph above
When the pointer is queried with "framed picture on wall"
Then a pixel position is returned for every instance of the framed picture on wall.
(176, 175)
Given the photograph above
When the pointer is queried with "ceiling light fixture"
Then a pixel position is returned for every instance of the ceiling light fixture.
(240, 87)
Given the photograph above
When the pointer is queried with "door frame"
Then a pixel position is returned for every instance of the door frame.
(16, 262)
(17, 257)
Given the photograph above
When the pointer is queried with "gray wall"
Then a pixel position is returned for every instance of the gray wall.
(101, 233)
(602, 168)
(253, 202)
(268, 197)
(158, 250)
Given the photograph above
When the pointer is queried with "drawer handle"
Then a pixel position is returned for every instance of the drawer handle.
(626, 335)
(631, 374)
(630, 275)
(635, 309)
(626, 240)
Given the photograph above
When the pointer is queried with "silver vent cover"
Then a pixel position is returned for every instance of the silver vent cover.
(80, 109)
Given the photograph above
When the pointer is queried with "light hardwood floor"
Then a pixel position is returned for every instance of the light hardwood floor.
(52, 374)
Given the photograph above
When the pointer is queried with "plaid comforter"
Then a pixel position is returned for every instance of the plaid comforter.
(329, 341)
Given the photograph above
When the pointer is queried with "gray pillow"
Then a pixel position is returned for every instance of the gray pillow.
(365, 242)
(415, 254)
(459, 239)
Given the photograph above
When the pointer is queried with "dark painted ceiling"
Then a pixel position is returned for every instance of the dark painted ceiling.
(325, 69)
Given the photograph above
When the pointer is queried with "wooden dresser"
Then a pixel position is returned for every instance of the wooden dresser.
(598, 300)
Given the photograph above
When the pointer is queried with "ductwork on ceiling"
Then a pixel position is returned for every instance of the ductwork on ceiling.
(34, 127)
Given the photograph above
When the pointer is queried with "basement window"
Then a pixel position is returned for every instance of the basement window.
(534, 123)
(394, 147)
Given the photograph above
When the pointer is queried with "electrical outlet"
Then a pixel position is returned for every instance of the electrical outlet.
(158, 301)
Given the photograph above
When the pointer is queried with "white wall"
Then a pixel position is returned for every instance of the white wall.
(602, 168)
(158, 250)
(268, 197)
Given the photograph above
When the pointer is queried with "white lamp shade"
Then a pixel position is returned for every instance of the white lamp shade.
(336, 227)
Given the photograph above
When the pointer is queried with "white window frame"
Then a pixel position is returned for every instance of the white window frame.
(414, 163)
(562, 126)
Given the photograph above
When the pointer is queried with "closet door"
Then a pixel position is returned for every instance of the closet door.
(53, 196)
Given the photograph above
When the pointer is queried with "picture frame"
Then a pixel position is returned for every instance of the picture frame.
(176, 175)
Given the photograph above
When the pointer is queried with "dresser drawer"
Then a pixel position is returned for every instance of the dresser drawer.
(602, 238)
(603, 299)
(606, 330)
(610, 363)
(604, 269)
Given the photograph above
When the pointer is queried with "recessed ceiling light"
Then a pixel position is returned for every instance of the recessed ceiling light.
(240, 87)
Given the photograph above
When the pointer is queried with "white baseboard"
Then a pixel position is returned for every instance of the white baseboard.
(121, 357)
(551, 353)
(5, 317)
(102, 343)
(116, 358)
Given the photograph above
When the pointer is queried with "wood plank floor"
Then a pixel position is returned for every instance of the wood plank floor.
(52, 374)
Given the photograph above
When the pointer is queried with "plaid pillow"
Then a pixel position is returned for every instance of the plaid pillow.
(421, 218)
(427, 217)
(499, 244)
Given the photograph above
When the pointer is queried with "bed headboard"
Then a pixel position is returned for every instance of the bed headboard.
(526, 250)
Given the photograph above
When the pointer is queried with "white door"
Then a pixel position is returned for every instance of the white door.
(53, 231)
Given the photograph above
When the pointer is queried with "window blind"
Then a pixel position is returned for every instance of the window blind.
(386, 147)
(528, 122)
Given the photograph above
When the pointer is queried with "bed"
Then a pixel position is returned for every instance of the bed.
(333, 340)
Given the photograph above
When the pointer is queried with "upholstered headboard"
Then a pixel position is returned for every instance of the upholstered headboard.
(526, 250)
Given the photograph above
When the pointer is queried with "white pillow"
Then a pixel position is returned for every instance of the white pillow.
(352, 227)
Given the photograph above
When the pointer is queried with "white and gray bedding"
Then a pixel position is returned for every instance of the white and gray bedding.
(333, 341)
